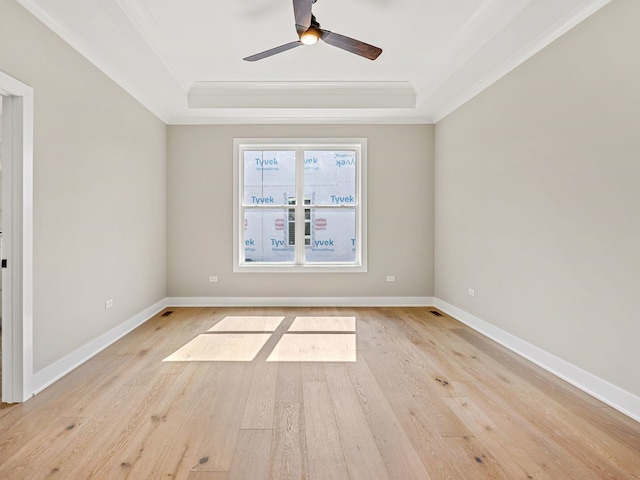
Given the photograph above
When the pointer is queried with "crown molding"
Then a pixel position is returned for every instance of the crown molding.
(302, 95)
(456, 90)
(303, 120)
(138, 71)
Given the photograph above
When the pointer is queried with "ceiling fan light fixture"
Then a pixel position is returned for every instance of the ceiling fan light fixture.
(309, 32)
(310, 37)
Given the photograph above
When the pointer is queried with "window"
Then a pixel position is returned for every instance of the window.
(299, 205)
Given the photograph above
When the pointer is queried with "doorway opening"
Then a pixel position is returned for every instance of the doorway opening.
(1, 362)
(17, 239)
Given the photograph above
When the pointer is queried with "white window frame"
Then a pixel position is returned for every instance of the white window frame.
(357, 144)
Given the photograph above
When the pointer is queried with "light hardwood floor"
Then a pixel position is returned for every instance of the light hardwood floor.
(427, 398)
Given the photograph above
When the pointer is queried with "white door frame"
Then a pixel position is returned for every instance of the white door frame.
(17, 239)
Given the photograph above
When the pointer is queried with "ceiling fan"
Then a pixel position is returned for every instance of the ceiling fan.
(310, 32)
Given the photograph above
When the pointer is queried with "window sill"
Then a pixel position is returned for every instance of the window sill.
(280, 268)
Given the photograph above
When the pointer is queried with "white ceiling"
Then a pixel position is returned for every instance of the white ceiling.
(437, 54)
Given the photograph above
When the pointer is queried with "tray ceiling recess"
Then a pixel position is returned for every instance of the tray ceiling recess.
(184, 60)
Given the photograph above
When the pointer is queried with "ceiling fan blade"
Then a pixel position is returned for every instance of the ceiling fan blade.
(273, 51)
(351, 45)
(302, 12)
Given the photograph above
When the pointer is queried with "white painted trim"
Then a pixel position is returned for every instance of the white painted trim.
(141, 18)
(142, 61)
(20, 343)
(608, 393)
(279, 119)
(73, 360)
(146, 84)
(491, 17)
(588, 8)
(299, 301)
(295, 87)
(359, 145)
(302, 95)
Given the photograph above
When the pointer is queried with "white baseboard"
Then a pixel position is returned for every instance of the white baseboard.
(608, 393)
(48, 375)
(60, 368)
(300, 301)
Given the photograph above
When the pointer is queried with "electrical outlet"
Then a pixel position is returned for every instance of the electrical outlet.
(108, 304)
(472, 292)
(213, 279)
(391, 278)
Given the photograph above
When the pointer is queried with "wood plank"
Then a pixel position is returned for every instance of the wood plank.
(395, 369)
(398, 453)
(224, 411)
(324, 449)
(208, 476)
(358, 443)
(313, 372)
(60, 433)
(252, 455)
(140, 447)
(259, 411)
(289, 383)
(517, 462)
(288, 444)
(474, 461)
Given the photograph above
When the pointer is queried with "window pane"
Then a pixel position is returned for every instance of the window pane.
(333, 235)
(269, 177)
(330, 177)
(266, 235)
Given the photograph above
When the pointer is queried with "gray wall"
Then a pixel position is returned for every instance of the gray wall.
(400, 214)
(538, 199)
(99, 191)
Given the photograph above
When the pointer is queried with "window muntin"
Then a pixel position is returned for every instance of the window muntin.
(313, 191)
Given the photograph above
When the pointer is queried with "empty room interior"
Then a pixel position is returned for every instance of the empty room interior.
(409, 251)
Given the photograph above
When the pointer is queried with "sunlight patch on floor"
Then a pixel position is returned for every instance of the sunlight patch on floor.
(315, 347)
(239, 339)
(323, 324)
(247, 324)
(221, 347)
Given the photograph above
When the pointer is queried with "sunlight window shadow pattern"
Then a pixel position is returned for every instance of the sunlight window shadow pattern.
(241, 338)
(315, 347)
(323, 324)
(222, 347)
(247, 324)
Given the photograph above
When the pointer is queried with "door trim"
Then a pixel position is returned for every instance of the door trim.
(17, 318)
